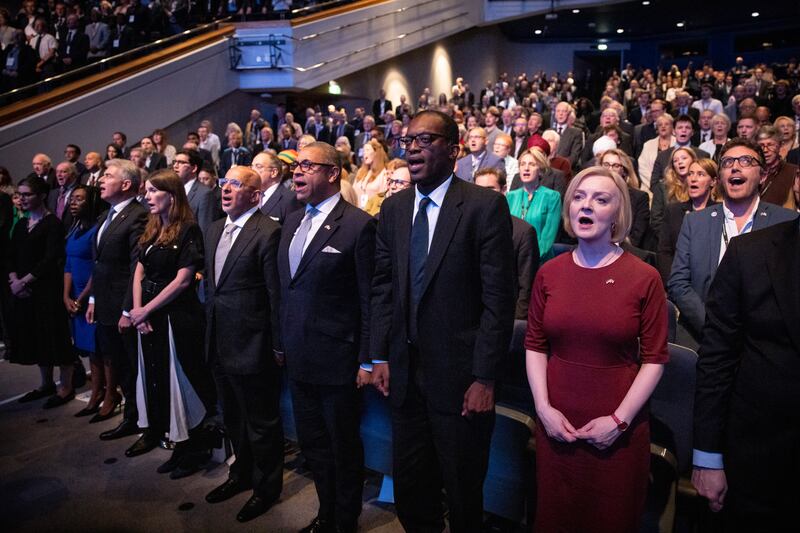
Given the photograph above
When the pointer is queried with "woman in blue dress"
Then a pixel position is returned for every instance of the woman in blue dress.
(78, 287)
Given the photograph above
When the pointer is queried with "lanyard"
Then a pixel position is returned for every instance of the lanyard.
(526, 206)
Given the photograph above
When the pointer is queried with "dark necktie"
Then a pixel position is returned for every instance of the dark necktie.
(36, 46)
(418, 254)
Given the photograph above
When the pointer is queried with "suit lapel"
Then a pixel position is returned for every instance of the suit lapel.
(246, 235)
(449, 215)
(783, 270)
(762, 216)
(717, 221)
(114, 224)
(272, 201)
(328, 228)
(402, 235)
(192, 192)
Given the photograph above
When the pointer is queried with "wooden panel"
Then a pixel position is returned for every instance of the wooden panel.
(91, 83)
(336, 11)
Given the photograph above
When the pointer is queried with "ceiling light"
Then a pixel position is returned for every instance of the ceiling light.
(645, 3)
(576, 11)
(680, 24)
(755, 14)
(537, 32)
(602, 46)
(620, 30)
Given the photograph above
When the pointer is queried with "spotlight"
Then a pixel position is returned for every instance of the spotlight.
(602, 47)
(537, 32)
(576, 11)
(680, 24)
(755, 14)
(620, 30)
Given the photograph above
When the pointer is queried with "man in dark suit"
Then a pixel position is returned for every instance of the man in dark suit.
(363, 138)
(58, 199)
(340, 128)
(638, 112)
(747, 392)
(646, 131)
(325, 262)
(116, 252)
(201, 198)
(43, 168)
(571, 143)
(381, 106)
(526, 244)
(72, 153)
(276, 202)
(682, 105)
(520, 136)
(242, 270)
(478, 158)
(234, 154)
(74, 48)
(443, 311)
(683, 130)
(609, 117)
(705, 234)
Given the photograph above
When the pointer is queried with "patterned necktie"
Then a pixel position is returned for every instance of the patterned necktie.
(224, 246)
(417, 257)
(299, 240)
(61, 203)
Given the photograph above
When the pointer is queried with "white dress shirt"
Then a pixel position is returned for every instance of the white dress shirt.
(266, 195)
(239, 222)
(188, 185)
(324, 207)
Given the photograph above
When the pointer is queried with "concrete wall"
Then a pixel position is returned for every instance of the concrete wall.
(153, 98)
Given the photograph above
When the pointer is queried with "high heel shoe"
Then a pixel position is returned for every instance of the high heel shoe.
(99, 417)
(88, 410)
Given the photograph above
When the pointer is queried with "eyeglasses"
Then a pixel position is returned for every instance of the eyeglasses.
(306, 165)
(233, 182)
(399, 182)
(259, 166)
(745, 161)
(613, 166)
(423, 140)
(179, 162)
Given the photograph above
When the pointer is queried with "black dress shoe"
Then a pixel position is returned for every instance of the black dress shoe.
(190, 463)
(38, 394)
(318, 525)
(145, 443)
(124, 429)
(255, 507)
(88, 410)
(57, 401)
(227, 490)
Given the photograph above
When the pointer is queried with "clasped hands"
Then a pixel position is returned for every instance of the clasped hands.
(18, 287)
(138, 319)
(601, 432)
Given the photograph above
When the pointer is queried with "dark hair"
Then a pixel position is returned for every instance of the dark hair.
(449, 125)
(36, 184)
(76, 147)
(116, 147)
(86, 219)
(194, 158)
(745, 143)
(124, 137)
(180, 213)
(208, 167)
(499, 173)
(686, 118)
(5, 177)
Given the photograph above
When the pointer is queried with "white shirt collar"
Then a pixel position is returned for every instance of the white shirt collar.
(326, 205)
(437, 195)
(188, 185)
(729, 214)
(122, 205)
(243, 218)
(267, 194)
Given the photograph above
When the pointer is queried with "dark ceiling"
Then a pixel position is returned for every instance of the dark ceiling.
(659, 18)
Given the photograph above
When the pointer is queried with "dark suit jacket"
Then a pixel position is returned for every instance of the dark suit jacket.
(157, 162)
(325, 307)
(242, 158)
(52, 201)
(522, 147)
(78, 49)
(625, 144)
(697, 256)
(746, 393)
(526, 253)
(663, 161)
(640, 208)
(466, 313)
(280, 204)
(349, 132)
(571, 145)
(49, 178)
(793, 156)
(242, 311)
(691, 111)
(378, 110)
(115, 258)
(489, 160)
(202, 201)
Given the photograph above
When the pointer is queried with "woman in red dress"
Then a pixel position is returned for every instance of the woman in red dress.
(596, 344)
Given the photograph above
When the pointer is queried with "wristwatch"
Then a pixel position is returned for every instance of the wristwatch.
(621, 426)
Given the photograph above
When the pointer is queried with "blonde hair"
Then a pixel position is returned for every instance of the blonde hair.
(378, 162)
(539, 157)
(624, 217)
(676, 188)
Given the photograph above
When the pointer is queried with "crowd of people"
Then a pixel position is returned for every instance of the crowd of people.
(395, 249)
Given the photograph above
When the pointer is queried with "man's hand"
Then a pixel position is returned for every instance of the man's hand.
(380, 377)
(479, 398)
(711, 484)
(17, 286)
(124, 323)
(90, 314)
(363, 378)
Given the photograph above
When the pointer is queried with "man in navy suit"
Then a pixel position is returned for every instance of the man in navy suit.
(706, 234)
(276, 201)
(325, 263)
(478, 158)
(201, 198)
(442, 316)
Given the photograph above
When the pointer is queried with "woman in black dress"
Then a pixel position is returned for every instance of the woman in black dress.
(39, 327)
(174, 390)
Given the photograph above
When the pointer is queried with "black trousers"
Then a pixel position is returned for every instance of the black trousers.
(123, 352)
(432, 451)
(328, 429)
(251, 412)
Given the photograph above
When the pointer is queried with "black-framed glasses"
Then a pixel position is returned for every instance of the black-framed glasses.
(179, 162)
(423, 140)
(399, 182)
(613, 166)
(307, 166)
(745, 161)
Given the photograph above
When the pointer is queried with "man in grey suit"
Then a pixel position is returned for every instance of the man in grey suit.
(243, 340)
(478, 158)
(571, 142)
(201, 199)
(705, 234)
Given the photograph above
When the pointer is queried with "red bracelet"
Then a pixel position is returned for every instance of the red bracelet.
(622, 426)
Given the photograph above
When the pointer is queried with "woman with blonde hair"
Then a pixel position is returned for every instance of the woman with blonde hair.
(788, 131)
(595, 347)
(174, 388)
(673, 187)
(371, 178)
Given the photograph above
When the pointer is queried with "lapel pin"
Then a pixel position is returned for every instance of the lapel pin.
(327, 226)
(763, 214)
(713, 213)
(609, 281)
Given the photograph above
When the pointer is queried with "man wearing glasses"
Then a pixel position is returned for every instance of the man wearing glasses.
(325, 263)
(706, 234)
(442, 316)
(242, 298)
(201, 199)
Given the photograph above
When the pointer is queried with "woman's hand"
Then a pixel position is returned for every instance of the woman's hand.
(144, 328)
(139, 315)
(556, 425)
(69, 304)
(600, 432)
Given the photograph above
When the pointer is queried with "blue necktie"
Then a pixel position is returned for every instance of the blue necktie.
(418, 256)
